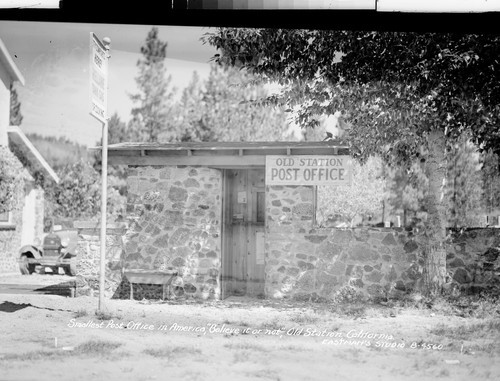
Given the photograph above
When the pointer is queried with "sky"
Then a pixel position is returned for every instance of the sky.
(54, 60)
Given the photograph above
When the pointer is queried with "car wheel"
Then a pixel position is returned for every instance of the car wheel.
(26, 267)
(71, 269)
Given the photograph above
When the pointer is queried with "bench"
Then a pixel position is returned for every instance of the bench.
(150, 277)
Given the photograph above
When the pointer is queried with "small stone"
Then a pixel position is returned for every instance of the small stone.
(177, 194)
(389, 240)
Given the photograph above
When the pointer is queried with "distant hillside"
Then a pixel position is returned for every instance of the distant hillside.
(59, 151)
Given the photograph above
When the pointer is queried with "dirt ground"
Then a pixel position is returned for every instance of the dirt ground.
(62, 338)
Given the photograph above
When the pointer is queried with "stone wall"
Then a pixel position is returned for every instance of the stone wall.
(307, 263)
(88, 252)
(175, 222)
(473, 260)
(10, 239)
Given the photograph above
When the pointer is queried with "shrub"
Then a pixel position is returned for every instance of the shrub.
(11, 180)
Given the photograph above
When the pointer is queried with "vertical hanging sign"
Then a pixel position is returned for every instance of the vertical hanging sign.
(98, 79)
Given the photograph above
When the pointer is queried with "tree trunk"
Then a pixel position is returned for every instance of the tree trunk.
(435, 231)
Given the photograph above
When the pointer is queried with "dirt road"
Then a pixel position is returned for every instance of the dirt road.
(60, 338)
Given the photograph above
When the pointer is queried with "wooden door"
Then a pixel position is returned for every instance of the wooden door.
(244, 222)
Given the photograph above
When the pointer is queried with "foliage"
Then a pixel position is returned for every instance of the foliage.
(58, 152)
(221, 109)
(78, 194)
(401, 92)
(406, 191)
(11, 180)
(118, 132)
(394, 87)
(16, 117)
(154, 99)
(464, 186)
(491, 182)
(363, 199)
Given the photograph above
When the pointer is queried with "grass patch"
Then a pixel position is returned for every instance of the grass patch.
(246, 346)
(90, 348)
(468, 331)
(350, 310)
(106, 315)
(307, 317)
(476, 306)
(34, 355)
(80, 313)
(272, 325)
(171, 351)
(96, 347)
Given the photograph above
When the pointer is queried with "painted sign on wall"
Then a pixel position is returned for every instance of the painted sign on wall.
(309, 170)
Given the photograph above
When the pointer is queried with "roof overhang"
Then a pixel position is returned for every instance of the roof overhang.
(216, 154)
(17, 137)
(7, 61)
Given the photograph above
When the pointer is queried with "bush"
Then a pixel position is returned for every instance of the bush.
(11, 180)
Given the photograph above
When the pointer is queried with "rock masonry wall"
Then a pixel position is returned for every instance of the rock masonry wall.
(175, 222)
(88, 252)
(303, 262)
(10, 239)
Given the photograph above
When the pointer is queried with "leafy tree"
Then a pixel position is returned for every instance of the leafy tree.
(406, 191)
(464, 186)
(118, 132)
(491, 182)
(11, 180)
(400, 92)
(155, 96)
(78, 194)
(15, 108)
(363, 199)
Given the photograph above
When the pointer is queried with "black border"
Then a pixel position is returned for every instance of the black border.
(181, 12)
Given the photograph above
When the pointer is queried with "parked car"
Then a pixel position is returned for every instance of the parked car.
(54, 250)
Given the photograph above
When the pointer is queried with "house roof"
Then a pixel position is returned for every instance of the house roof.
(7, 61)
(21, 141)
(216, 154)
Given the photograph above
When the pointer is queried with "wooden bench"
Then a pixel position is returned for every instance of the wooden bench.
(150, 277)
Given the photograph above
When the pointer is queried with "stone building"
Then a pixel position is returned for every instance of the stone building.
(239, 219)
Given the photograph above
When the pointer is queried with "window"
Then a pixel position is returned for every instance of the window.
(6, 219)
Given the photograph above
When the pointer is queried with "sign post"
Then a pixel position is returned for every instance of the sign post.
(99, 55)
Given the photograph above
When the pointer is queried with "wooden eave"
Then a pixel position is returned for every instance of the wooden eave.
(21, 141)
(218, 155)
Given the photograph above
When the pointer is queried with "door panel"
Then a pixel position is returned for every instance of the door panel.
(244, 221)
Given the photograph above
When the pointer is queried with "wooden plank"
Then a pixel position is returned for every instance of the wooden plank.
(207, 161)
(226, 283)
(222, 145)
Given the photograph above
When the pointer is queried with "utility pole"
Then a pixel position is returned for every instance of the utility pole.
(98, 108)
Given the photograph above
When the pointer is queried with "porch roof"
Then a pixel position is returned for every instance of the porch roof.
(28, 150)
(216, 154)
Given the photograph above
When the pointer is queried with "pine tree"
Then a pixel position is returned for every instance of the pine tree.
(222, 109)
(155, 97)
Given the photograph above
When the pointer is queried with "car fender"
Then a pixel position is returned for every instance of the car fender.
(31, 249)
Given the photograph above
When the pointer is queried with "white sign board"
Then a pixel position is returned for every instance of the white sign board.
(98, 79)
(309, 170)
